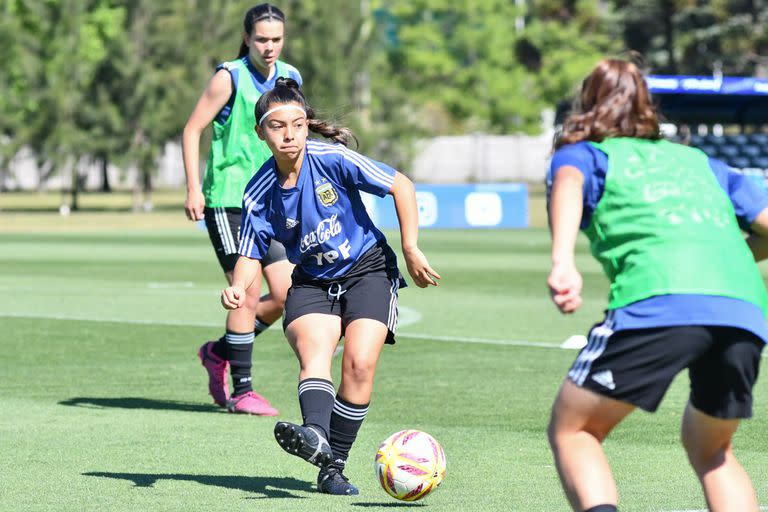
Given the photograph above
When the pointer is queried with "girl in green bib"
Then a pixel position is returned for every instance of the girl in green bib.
(666, 223)
(236, 154)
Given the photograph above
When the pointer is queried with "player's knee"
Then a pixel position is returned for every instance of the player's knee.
(279, 297)
(359, 369)
(704, 455)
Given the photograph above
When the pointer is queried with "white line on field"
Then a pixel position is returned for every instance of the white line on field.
(407, 316)
(702, 510)
(410, 319)
(435, 337)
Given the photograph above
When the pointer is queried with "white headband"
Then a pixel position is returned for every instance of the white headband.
(281, 107)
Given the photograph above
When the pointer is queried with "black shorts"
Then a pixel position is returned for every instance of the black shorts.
(372, 295)
(638, 365)
(224, 231)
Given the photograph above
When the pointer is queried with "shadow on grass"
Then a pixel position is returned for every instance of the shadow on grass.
(268, 487)
(140, 403)
(389, 504)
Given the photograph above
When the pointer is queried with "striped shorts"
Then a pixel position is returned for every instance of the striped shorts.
(637, 366)
(372, 295)
(223, 226)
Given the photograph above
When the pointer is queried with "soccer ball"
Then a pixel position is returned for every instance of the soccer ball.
(410, 464)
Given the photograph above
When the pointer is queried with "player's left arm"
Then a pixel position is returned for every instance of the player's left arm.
(404, 194)
(750, 204)
(757, 240)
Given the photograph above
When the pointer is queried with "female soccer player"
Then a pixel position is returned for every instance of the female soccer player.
(663, 220)
(346, 277)
(236, 153)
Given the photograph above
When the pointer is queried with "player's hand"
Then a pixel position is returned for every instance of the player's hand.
(565, 287)
(194, 204)
(233, 297)
(418, 266)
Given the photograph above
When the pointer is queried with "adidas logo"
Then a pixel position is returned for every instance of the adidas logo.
(605, 379)
(291, 223)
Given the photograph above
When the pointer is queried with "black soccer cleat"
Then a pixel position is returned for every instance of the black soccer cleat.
(330, 480)
(304, 442)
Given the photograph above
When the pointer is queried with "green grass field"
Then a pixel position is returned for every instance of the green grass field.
(105, 406)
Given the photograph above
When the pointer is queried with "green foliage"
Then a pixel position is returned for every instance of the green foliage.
(690, 37)
(481, 67)
(114, 80)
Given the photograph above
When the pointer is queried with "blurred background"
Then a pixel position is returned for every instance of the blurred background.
(94, 93)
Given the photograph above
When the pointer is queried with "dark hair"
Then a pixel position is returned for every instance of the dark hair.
(257, 13)
(287, 90)
(614, 102)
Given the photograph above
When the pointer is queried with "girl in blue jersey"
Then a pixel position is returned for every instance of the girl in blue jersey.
(685, 292)
(236, 153)
(346, 278)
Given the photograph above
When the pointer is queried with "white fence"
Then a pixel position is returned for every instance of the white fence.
(461, 159)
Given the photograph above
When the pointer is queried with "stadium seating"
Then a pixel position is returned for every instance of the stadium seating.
(743, 151)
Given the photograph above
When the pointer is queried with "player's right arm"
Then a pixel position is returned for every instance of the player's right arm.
(565, 211)
(247, 272)
(214, 98)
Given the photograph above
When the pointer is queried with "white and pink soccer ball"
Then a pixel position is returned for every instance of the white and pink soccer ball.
(410, 464)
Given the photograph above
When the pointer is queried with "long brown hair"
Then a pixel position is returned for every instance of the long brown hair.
(614, 102)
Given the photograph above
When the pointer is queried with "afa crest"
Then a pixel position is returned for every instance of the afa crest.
(327, 194)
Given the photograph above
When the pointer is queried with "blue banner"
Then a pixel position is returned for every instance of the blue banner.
(684, 84)
(503, 205)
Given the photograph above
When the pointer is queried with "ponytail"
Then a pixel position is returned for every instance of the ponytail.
(340, 134)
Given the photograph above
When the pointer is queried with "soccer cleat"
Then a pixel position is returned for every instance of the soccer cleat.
(304, 442)
(330, 480)
(251, 403)
(217, 369)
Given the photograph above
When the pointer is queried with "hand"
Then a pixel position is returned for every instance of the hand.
(419, 268)
(565, 287)
(194, 204)
(233, 297)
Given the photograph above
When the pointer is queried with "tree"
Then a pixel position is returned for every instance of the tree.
(475, 70)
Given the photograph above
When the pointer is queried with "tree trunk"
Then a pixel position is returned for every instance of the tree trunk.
(105, 185)
(147, 190)
(668, 10)
(75, 191)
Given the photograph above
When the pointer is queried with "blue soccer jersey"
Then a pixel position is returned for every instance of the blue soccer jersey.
(322, 221)
(261, 83)
(748, 199)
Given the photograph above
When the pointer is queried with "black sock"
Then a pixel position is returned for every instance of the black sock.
(316, 402)
(346, 420)
(602, 508)
(219, 349)
(259, 326)
(240, 351)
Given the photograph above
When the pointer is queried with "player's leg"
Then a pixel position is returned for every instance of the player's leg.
(239, 339)
(214, 354)
(616, 372)
(313, 331)
(713, 415)
(239, 345)
(370, 317)
(277, 273)
(580, 421)
(707, 441)
(363, 340)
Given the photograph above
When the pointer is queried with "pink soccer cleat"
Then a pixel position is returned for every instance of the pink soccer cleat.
(251, 403)
(217, 369)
